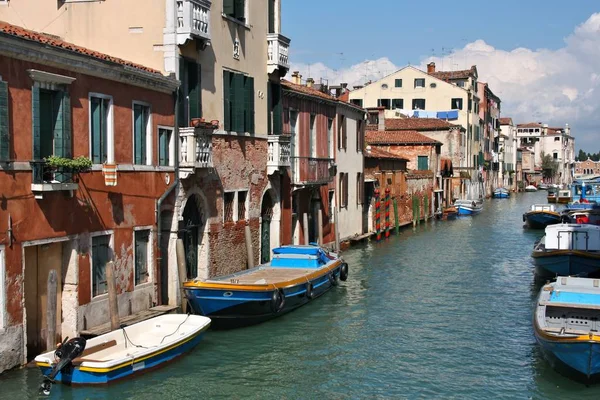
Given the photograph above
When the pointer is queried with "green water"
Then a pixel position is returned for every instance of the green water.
(443, 311)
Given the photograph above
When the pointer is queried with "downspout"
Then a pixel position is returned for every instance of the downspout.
(165, 195)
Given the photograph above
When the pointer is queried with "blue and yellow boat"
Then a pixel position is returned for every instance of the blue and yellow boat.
(294, 276)
(566, 324)
(124, 352)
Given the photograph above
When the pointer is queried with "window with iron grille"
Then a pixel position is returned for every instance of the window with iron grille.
(242, 196)
(142, 239)
(360, 184)
(101, 254)
(343, 187)
(228, 199)
(420, 82)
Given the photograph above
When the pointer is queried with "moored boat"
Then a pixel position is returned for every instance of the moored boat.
(564, 196)
(543, 186)
(552, 196)
(501, 193)
(121, 353)
(568, 249)
(566, 324)
(468, 207)
(541, 215)
(530, 188)
(294, 276)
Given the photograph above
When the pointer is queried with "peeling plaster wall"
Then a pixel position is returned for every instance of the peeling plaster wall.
(11, 347)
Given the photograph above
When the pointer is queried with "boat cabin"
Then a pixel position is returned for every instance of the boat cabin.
(572, 237)
(586, 190)
(543, 207)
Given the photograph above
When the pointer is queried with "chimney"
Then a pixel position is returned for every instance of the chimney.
(544, 129)
(431, 68)
(381, 119)
(344, 85)
(296, 78)
(310, 82)
(567, 130)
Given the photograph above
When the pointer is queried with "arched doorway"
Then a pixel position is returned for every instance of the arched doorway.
(266, 213)
(190, 230)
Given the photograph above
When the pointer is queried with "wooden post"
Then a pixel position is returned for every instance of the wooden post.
(113, 306)
(305, 221)
(320, 222)
(337, 231)
(181, 271)
(249, 249)
(396, 218)
(51, 309)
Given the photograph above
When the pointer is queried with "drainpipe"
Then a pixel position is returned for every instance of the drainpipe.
(166, 194)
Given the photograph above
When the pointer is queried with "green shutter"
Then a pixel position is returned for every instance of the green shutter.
(249, 104)
(4, 137)
(239, 9)
(226, 101)
(95, 105)
(139, 118)
(238, 103)
(62, 124)
(35, 123)
(66, 119)
(104, 131)
(277, 110)
(182, 119)
(228, 7)
(193, 82)
(270, 109)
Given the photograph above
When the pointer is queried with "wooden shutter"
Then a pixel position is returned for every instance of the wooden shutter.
(4, 137)
(139, 119)
(277, 109)
(100, 256)
(249, 104)
(35, 123)
(238, 100)
(227, 100)
(339, 131)
(181, 114)
(194, 92)
(271, 16)
(141, 256)
(62, 125)
(270, 109)
(228, 7)
(345, 134)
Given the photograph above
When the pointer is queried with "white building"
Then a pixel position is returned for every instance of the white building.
(508, 153)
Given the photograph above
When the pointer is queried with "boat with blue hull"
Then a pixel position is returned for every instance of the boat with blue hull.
(541, 215)
(122, 353)
(568, 249)
(294, 276)
(566, 325)
(501, 193)
(468, 207)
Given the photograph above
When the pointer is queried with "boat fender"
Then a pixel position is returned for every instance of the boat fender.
(309, 290)
(524, 218)
(344, 272)
(333, 278)
(277, 301)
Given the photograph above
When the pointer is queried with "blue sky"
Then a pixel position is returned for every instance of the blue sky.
(541, 57)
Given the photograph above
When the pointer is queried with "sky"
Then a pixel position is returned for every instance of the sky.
(541, 57)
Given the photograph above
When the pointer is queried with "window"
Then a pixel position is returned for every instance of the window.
(272, 16)
(456, 104)
(101, 254)
(397, 103)
(398, 83)
(242, 197)
(142, 238)
(555, 155)
(190, 96)
(418, 104)
(557, 139)
(331, 199)
(330, 137)
(384, 103)
(422, 163)
(4, 136)
(357, 102)
(228, 199)
(275, 117)
(101, 129)
(238, 98)
(360, 135)
(343, 188)
(461, 84)
(141, 134)
(165, 146)
(235, 9)
(360, 188)
(51, 123)
(342, 138)
(312, 148)
(420, 82)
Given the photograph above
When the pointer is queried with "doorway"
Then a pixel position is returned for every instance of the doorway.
(266, 214)
(39, 261)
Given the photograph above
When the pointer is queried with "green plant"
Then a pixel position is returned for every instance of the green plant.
(78, 164)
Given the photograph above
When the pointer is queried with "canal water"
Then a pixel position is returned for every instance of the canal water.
(441, 311)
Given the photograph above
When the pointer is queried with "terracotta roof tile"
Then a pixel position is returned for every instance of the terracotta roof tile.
(375, 152)
(398, 137)
(306, 90)
(461, 74)
(45, 39)
(530, 125)
(417, 124)
(506, 121)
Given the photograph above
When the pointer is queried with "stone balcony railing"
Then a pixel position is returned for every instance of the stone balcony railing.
(278, 48)
(312, 171)
(193, 20)
(278, 153)
(195, 150)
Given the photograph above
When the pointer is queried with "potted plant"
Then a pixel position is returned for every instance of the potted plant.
(75, 165)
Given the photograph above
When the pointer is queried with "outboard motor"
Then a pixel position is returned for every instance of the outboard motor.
(66, 352)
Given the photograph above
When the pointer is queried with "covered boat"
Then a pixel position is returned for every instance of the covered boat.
(501, 193)
(530, 188)
(568, 249)
(468, 207)
(567, 325)
(294, 276)
(123, 352)
(541, 215)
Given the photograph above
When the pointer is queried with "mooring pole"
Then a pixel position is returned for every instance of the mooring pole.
(113, 306)
(51, 309)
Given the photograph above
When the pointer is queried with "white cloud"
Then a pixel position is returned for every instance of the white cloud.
(553, 86)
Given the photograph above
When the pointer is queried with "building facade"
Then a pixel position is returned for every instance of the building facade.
(587, 167)
(87, 152)
(507, 154)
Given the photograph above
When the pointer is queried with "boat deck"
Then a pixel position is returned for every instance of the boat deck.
(265, 276)
(129, 320)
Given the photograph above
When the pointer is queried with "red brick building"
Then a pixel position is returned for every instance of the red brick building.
(587, 167)
(61, 100)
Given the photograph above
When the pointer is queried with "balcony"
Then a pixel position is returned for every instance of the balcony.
(195, 150)
(49, 179)
(193, 20)
(278, 153)
(312, 171)
(278, 47)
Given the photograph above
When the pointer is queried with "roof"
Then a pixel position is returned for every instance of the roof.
(345, 97)
(460, 74)
(16, 31)
(375, 152)
(398, 137)
(417, 124)
(306, 90)
(530, 125)
(506, 121)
